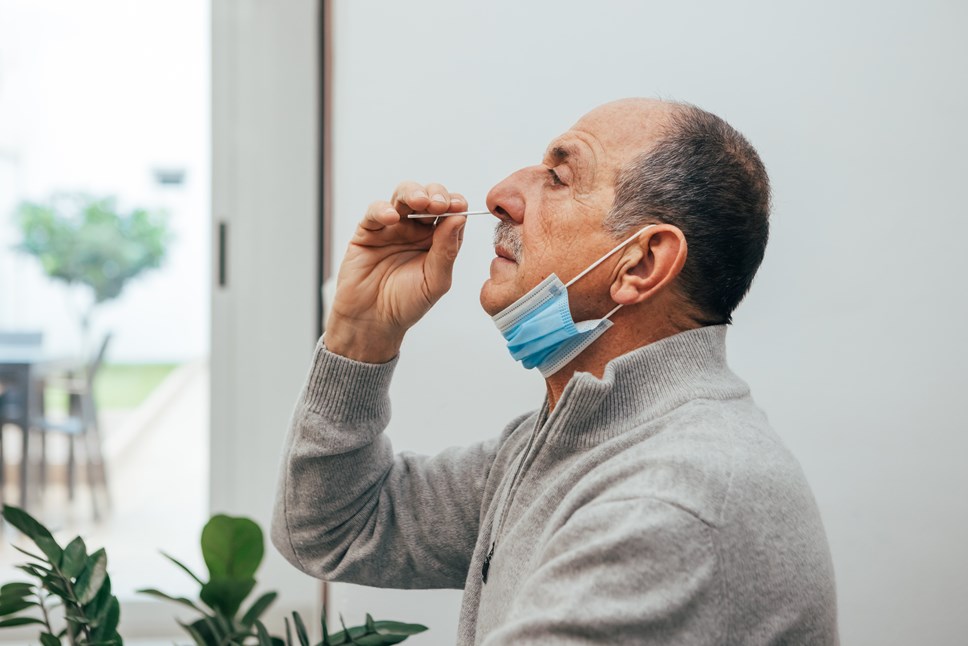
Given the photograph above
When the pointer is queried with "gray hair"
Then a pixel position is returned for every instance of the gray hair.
(706, 179)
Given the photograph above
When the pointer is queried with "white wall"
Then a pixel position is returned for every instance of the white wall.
(851, 336)
(93, 96)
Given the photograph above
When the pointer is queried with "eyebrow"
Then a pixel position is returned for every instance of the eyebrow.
(560, 154)
(571, 153)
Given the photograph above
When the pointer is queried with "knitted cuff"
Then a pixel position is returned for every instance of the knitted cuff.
(345, 391)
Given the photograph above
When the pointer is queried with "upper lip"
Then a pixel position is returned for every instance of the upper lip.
(503, 252)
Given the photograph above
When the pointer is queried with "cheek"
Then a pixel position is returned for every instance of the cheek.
(539, 246)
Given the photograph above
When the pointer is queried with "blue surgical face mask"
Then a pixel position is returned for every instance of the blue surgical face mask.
(539, 328)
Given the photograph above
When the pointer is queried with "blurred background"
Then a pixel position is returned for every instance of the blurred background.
(234, 145)
(105, 218)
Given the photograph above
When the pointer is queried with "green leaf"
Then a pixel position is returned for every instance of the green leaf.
(33, 530)
(256, 609)
(370, 627)
(20, 621)
(183, 567)
(42, 559)
(380, 632)
(8, 606)
(262, 634)
(194, 633)
(207, 630)
(97, 609)
(56, 584)
(14, 598)
(17, 589)
(76, 615)
(289, 633)
(226, 595)
(398, 628)
(322, 620)
(217, 628)
(34, 570)
(112, 619)
(92, 578)
(9, 598)
(74, 558)
(300, 629)
(346, 636)
(161, 595)
(46, 639)
(232, 547)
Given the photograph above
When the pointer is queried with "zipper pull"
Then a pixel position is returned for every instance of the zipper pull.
(487, 563)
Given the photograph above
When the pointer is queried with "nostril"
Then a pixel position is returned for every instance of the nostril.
(499, 210)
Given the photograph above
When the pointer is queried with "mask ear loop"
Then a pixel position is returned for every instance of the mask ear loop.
(606, 257)
(603, 259)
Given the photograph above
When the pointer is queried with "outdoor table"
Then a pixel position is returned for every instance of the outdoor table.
(23, 370)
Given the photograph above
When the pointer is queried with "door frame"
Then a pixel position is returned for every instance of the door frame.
(266, 201)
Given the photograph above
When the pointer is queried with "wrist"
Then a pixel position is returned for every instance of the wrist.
(359, 342)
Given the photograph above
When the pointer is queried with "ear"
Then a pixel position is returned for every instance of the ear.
(649, 264)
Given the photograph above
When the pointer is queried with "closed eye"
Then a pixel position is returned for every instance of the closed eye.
(554, 178)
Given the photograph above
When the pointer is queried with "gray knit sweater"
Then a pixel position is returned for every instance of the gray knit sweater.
(652, 506)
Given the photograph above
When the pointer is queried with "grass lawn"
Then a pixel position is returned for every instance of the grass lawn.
(120, 386)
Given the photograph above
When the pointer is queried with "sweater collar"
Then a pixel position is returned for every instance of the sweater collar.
(642, 385)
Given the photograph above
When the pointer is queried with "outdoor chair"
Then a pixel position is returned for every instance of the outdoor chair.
(13, 399)
(81, 424)
(3, 421)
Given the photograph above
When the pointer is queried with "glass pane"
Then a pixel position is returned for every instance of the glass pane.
(104, 229)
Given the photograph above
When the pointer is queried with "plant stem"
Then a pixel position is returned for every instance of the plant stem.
(43, 609)
(73, 600)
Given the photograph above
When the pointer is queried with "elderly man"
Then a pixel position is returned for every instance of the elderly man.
(647, 500)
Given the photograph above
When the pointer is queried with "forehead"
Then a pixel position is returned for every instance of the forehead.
(612, 134)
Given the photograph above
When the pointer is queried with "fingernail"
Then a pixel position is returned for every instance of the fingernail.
(439, 198)
(390, 211)
(419, 194)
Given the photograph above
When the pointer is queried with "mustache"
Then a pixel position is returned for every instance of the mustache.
(508, 236)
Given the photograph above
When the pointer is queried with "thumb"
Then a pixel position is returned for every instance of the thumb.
(439, 266)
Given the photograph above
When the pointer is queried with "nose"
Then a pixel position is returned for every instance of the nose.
(506, 200)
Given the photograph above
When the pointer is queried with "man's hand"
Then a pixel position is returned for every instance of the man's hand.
(394, 271)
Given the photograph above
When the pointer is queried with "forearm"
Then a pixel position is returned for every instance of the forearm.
(331, 459)
(348, 509)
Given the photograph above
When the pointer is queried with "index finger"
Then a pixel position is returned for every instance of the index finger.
(379, 215)
(410, 197)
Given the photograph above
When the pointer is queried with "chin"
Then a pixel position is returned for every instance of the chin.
(494, 298)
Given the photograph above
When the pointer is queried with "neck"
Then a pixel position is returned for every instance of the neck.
(614, 343)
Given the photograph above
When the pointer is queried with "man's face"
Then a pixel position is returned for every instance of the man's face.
(552, 213)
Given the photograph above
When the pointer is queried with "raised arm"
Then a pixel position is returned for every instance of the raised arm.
(347, 508)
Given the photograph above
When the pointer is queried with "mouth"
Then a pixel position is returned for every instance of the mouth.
(503, 252)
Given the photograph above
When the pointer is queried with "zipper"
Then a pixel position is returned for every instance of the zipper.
(516, 479)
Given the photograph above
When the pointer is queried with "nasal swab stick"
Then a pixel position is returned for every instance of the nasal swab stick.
(414, 216)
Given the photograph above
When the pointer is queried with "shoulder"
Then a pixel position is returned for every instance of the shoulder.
(707, 457)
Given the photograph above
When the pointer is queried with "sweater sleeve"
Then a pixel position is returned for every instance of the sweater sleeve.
(348, 509)
(637, 571)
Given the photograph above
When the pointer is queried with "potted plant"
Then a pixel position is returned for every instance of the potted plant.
(232, 548)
